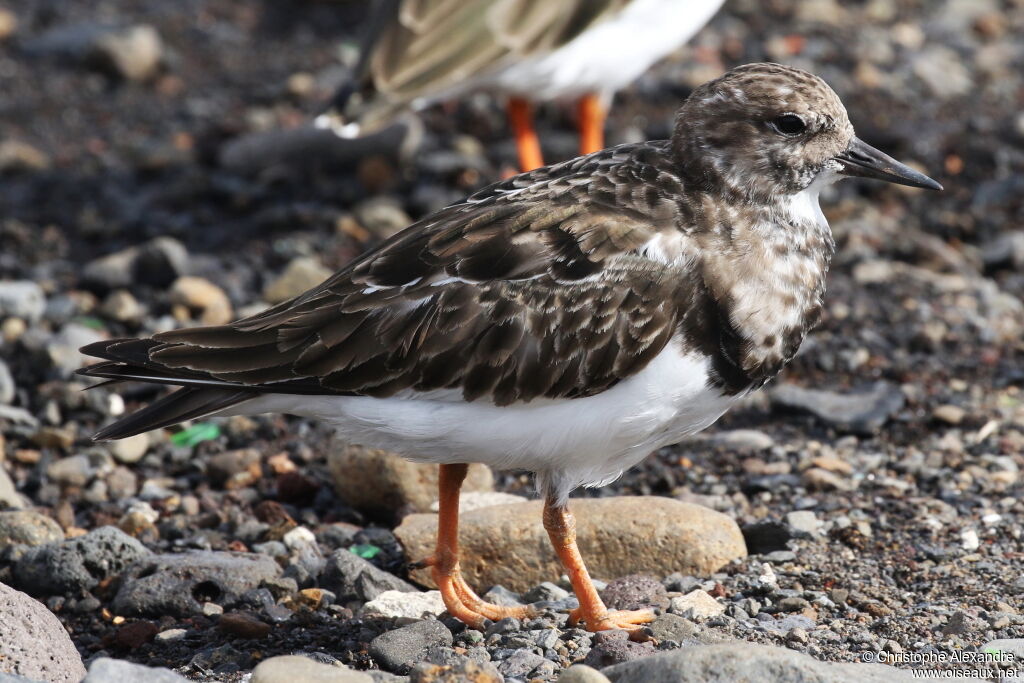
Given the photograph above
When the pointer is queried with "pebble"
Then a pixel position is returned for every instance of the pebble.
(8, 23)
(581, 673)
(299, 275)
(107, 670)
(520, 663)
(351, 577)
(63, 347)
(617, 536)
(398, 650)
(861, 412)
(677, 629)
(121, 306)
(133, 635)
(29, 528)
(463, 671)
(697, 604)
(382, 216)
(134, 53)
(942, 70)
(7, 385)
(129, 450)
(614, 647)
(295, 668)
(404, 604)
(33, 642)
(78, 563)
(949, 414)
(74, 470)
(22, 299)
(743, 440)
(545, 592)
(818, 479)
(637, 591)
(243, 625)
(9, 495)
(304, 550)
(20, 156)
(804, 521)
(384, 484)
(179, 583)
(171, 635)
(199, 294)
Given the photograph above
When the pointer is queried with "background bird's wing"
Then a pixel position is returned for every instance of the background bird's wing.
(535, 287)
(423, 47)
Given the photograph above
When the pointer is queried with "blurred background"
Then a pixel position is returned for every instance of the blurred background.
(152, 176)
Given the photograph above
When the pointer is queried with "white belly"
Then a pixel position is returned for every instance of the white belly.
(606, 57)
(584, 441)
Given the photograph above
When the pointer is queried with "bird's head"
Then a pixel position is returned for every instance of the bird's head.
(763, 131)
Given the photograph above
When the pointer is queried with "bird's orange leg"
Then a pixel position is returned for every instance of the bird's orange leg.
(561, 527)
(527, 143)
(591, 124)
(460, 600)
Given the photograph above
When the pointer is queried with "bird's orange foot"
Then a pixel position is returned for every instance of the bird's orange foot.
(465, 605)
(605, 620)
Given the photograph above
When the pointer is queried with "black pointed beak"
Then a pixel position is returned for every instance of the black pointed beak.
(863, 160)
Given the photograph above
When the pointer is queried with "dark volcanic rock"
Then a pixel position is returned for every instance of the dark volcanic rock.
(614, 647)
(77, 564)
(400, 649)
(179, 584)
(636, 591)
(861, 412)
(351, 577)
(766, 537)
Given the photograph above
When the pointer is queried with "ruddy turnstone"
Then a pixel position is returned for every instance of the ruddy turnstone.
(566, 321)
(418, 52)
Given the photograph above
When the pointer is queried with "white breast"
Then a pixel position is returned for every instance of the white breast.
(608, 56)
(584, 441)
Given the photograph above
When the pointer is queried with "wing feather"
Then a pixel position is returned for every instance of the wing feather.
(535, 287)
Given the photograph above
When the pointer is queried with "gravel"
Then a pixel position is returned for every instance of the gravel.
(880, 512)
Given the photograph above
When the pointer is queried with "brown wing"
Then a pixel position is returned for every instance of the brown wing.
(429, 46)
(532, 288)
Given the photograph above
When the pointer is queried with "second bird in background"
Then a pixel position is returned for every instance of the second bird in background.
(420, 52)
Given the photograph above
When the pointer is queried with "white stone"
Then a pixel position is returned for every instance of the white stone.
(408, 605)
(131, 449)
(697, 604)
(969, 540)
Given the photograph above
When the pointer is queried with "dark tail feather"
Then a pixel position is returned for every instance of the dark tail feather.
(186, 403)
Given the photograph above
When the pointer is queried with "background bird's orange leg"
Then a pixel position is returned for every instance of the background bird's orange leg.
(520, 116)
(561, 527)
(460, 600)
(591, 124)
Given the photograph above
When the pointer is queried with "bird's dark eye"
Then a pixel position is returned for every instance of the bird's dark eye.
(789, 124)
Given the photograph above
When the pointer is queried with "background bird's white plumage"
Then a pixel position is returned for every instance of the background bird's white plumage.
(603, 59)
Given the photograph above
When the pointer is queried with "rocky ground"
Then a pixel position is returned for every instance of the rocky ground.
(155, 174)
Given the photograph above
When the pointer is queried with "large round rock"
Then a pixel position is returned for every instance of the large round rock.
(33, 643)
(507, 544)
